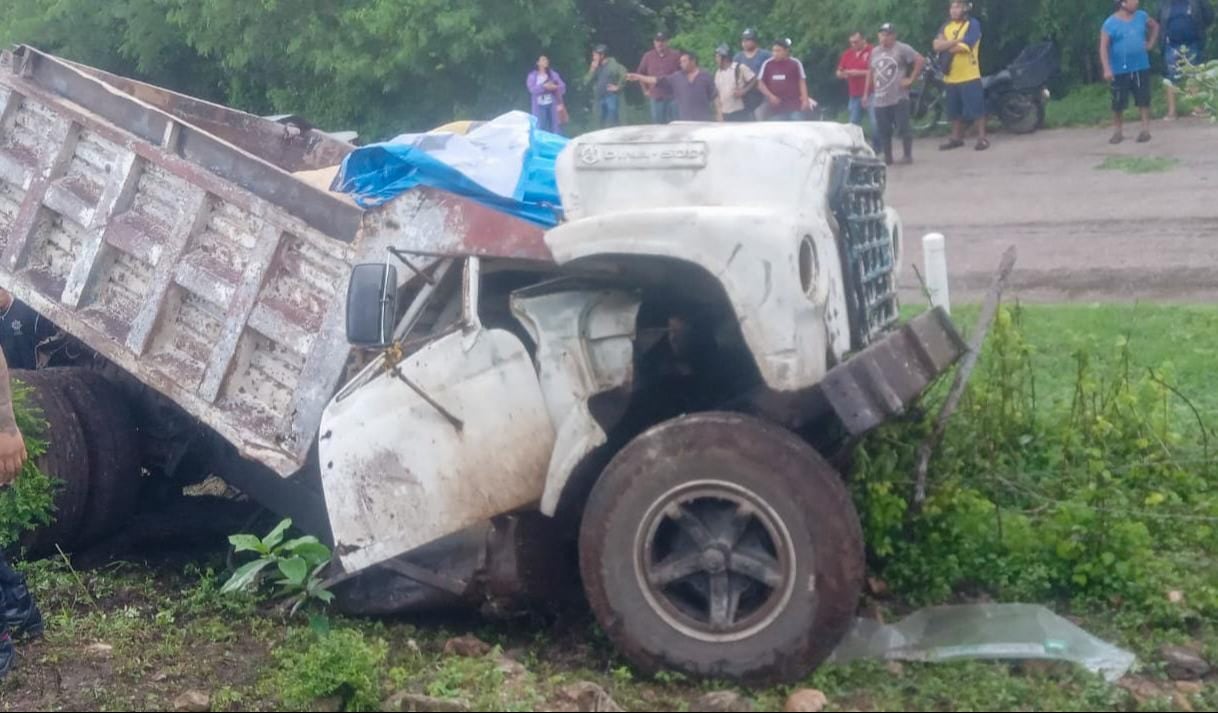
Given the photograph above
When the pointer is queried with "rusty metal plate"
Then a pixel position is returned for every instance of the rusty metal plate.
(880, 382)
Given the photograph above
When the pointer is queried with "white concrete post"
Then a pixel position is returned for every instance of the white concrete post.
(934, 253)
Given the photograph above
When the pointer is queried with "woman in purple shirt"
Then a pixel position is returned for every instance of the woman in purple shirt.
(547, 89)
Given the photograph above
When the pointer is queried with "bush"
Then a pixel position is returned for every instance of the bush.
(1104, 496)
(30, 502)
(340, 663)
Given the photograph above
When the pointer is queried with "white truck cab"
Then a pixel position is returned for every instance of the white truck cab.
(662, 382)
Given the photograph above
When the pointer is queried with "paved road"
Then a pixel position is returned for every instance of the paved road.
(1082, 234)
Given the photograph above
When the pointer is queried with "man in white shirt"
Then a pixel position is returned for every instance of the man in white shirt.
(734, 80)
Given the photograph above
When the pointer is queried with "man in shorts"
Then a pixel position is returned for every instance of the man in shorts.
(1126, 40)
(959, 43)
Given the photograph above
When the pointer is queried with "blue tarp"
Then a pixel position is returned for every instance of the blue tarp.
(507, 164)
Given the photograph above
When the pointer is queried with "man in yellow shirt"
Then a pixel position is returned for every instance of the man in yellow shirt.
(959, 43)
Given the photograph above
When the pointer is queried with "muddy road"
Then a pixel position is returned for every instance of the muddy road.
(1083, 234)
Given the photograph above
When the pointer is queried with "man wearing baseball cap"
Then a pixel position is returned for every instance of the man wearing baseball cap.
(660, 61)
(606, 76)
(734, 81)
(785, 85)
(894, 68)
(752, 56)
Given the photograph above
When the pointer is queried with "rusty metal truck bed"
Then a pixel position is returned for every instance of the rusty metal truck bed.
(170, 236)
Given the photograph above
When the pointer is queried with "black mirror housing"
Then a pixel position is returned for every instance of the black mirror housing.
(372, 305)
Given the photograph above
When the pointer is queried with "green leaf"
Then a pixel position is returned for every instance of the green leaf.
(271, 541)
(245, 578)
(294, 569)
(315, 553)
(320, 624)
(292, 545)
(247, 543)
(325, 595)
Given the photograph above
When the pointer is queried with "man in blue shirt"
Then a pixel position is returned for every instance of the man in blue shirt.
(1184, 23)
(1125, 44)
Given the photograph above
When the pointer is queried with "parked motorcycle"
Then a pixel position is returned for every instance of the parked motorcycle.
(1018, 95)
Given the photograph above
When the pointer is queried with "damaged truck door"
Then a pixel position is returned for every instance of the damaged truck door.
(439, 440)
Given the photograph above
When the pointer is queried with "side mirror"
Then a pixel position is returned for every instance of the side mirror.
(372, 305)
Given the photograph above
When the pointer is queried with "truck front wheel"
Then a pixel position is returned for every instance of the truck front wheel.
(723, 547)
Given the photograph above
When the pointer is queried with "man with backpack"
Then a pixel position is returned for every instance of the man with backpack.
(1184, 24)
(959, 41)
(734, 81)
(752, 55)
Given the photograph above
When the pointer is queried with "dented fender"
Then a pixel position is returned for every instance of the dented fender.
(753, 253)
(585, 347)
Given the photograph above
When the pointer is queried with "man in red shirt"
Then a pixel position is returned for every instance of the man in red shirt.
(854, 67)
(785, 85)
(660, 61)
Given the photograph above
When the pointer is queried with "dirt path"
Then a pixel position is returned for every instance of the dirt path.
(1083, 234)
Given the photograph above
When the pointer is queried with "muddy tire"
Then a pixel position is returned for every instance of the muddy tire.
(723, 547)
(113, 445)
(66, 460)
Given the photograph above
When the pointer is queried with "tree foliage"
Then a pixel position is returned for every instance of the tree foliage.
(387, 66)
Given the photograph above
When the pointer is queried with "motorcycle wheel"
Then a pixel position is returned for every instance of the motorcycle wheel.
(1020, 113)
(926, 107)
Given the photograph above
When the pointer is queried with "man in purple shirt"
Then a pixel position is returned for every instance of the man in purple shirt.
(693, 91)
(661, 61)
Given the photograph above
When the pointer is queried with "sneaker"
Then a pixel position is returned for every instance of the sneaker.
(21, 615)
(1117, 138)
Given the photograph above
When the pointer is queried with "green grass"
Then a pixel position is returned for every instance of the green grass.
(172, 631)
(1138, 165)
(1181, 338)
(1091, 105)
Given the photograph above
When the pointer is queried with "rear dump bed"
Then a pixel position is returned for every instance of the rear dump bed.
(171, 237)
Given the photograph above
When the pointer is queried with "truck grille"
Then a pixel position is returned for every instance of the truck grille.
(868, 259)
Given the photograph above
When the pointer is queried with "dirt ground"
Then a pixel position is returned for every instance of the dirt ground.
(1083, 234)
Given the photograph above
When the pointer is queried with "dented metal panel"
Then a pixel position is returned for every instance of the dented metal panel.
(878, 383)
(585, 347)
(399, 473)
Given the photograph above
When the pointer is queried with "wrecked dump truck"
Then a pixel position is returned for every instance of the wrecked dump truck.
(647, 397)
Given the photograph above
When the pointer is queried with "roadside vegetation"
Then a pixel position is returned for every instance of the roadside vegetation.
(1079, 474)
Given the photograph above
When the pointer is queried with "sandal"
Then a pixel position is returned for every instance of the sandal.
(1116, 139)
(982, 144)
(1144, 137)
(953, 144)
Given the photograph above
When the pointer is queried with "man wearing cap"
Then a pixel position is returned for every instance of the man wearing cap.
(785, 85)
(753, 56)
(854, 66)
(734, 81)
(693, 90)
(606, 76)
(959, 41)
(894, 67)
(660, 61)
